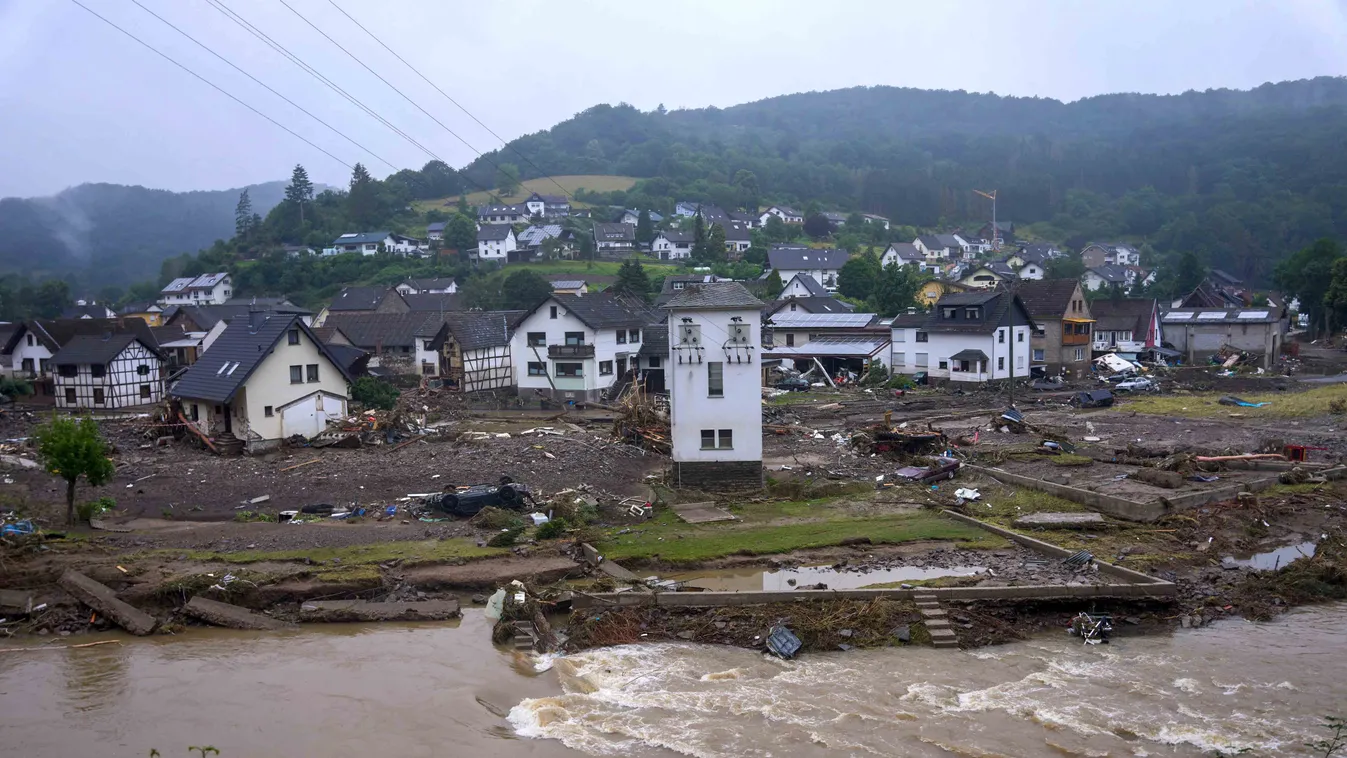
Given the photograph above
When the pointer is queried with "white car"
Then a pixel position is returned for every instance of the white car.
(1138, 384)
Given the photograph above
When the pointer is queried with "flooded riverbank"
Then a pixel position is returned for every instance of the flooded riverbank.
(442, 689)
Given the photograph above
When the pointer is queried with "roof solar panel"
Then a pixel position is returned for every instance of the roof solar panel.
(1253, 314)
(1211, 315)
(1178, 316)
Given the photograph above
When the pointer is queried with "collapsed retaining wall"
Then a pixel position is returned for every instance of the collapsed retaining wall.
(1127, 510)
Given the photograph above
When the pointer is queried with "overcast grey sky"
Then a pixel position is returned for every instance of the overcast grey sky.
(80, 102)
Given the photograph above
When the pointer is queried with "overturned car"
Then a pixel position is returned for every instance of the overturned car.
(467, 501)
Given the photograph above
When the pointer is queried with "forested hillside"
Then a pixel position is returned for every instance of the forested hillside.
(1242, 178)
(112, 233)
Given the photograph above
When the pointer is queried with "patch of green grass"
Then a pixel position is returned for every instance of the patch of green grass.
(1313, 402)
(687, 543)
(1067, 459)
(1002, 506)
(544, 186)
(428, 551)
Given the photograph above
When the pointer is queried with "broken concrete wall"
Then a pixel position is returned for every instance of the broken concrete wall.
(1128, 510)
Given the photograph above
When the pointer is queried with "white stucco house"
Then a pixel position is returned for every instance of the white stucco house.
(266, 379)
(574, 347)
(903, 254)
(207, 289)
(100, 372)
(503, 214)
(670, 245)
(439, 285)
(784, 212)
(967, 337)
(715, 386)
(495, 242)
(370, 243)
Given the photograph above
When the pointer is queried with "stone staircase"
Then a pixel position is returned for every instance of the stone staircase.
(937, 624)
(525, 636)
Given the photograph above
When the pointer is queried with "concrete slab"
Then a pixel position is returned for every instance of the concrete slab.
(102, 599)
(360, 610)
(1061, 520)
(702, 513)
(617, 572)
(231, 616)
(16, 601)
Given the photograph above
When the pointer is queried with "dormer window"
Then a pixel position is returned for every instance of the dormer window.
(973, 313)
(949, 312)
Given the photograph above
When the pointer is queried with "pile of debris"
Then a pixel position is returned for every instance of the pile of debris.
(642, 419)
(898, 442)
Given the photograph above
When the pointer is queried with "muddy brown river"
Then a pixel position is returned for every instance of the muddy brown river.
(436, 690)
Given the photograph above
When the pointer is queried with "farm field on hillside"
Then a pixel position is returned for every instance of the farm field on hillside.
(595, 182)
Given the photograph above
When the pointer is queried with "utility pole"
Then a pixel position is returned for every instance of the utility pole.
(1010, 293)
(996, 233)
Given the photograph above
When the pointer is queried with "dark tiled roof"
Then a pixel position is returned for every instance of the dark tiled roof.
(1111, 274)
(434, 302)
(87, 349)
(614, 232)
(54, 333)
(795, 258)
(435, 226)
(1047, 297)
(494, 232)
(969, 355)
(909, 320)
(351, 359)
(810, 284)
(435, 283)
(370, 331)
(502, 210)
(655, 339)
(1127, 314)
(811, 305)
(86, 311)
(238, 351)
(907, 251)
(361, 238)
(676, 236)
(358, 299)
(477, 330)
(736, 231)
(604, 310)
(714, 295)
(165, 334)
(995, 304)
(206, 316)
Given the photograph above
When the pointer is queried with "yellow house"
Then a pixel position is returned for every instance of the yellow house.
(936, 288)
(151, 313)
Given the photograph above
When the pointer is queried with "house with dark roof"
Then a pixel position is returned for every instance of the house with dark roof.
(267, 378)
(435, 230)
(941, 247)
(1100, 277)
(1200, 333)
(988, 275)
(475, 353)
(786, 213)
(807, 305)
(575, 347)
(672, 244)
(179, 347)
(399, 343)
(614, 238)
(967, 337)
(715, 386)
(108, 371)
(903, 254)
(364, 300)
(1004, 231)
(1125, 325)
(88, 310)
(495, 242)
(1061, 343)
(503, 214)
(433, 286)
(203, 318)
(822, 264)
(547, 206)
(633, 217)
(803, 285)
(1098, 254)
(34, 342)
(150, 313)
(198, 290)
(535, 241)
(435, 303)
(570, 286)
(1038, 252)
(738, 238)
(675, 283)
(370, 243)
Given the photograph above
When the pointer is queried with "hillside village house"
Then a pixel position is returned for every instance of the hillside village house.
(633, 217)
(676, 283)
(495, 242)
(1129, 325)
(1031, 270)
(574, 347)
(803, 285)
(903, 254)
(503, 214)
(1004, 232)
(32, 344)
(206, 289)
(1100, 277)
(475, 352)
(988, 275)
(941, 247)
(435, 231)
(1199, 333)
(150, 313)
(612, 238)
(715, 387)
(201, 318)
(671, 245)
(266, 379)
(101, 372)
(570, 286)
(1061, 341)
(686, 208)
(803, 305)
(738, 239)
(433, 286)
(871, 218)
(82, 309)
(1098, 254)
(822, 264)
(934, 289)
(967, 337)
(531, 241)
(547, 206)
(784, 212)
(364, 300)
(371, 243)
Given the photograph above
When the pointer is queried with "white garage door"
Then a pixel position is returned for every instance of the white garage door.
(307, 417)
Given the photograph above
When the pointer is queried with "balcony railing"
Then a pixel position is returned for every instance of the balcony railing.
(1076, 339)
(570, 351)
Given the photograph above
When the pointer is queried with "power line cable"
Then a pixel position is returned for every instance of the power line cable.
(213, 85)
(247, 26)
(390, 84)
(450, 99)
(264, 84)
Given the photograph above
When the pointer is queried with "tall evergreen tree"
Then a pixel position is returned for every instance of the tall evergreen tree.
(300, 190)
(632, 280)
(715, 243)
(243, 215)
(362, 200)
(699, 247)
(645, 231)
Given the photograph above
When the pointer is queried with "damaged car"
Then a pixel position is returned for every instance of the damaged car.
(467, 501)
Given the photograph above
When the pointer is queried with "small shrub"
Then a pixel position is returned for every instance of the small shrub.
(901, 382)
(251, 516)
(552, 529)
(1337, 406)
(94, 508)
(373, 393)
(492, 517)
(11, 387)
(506, 538)
(587, 514)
